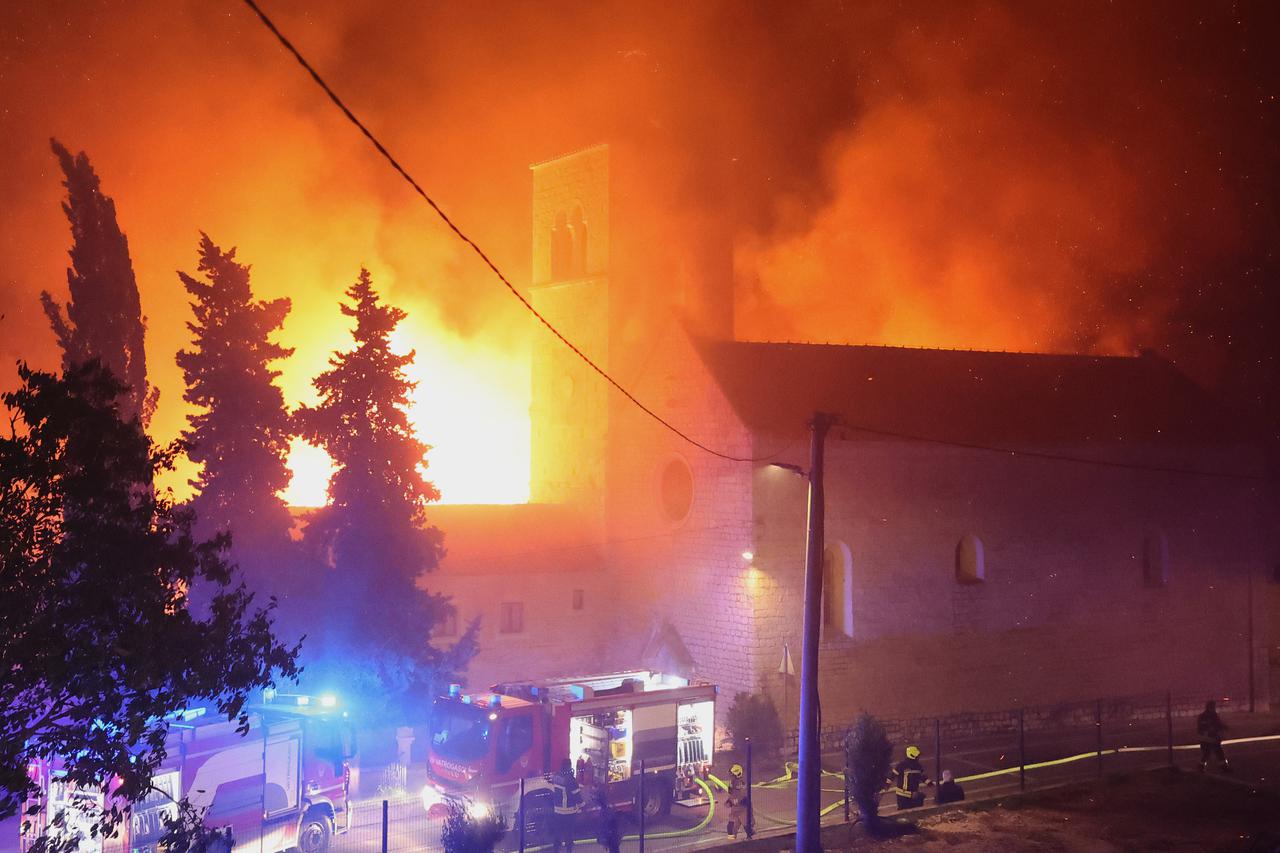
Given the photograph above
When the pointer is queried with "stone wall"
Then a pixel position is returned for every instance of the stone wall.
(1063, 612)
(554, 640)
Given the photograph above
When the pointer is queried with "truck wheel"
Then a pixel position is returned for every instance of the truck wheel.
(314, 833)
(657, 797)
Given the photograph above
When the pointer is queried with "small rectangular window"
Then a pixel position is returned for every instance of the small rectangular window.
(511, 617)
(448, 625)
(577, 599)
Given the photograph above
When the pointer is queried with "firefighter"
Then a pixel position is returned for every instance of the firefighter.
(736, 803)
(1210, 728)
(949, 790)
(567, 799)
(908, 778)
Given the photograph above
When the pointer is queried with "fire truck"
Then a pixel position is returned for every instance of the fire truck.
(281, 786)
(483, 744)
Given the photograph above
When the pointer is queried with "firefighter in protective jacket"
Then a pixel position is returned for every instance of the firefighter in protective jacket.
(737, 803)
(567, 804)
(908, 780)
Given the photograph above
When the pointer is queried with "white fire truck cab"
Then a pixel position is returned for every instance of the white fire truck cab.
(483, 744)
(280, 786)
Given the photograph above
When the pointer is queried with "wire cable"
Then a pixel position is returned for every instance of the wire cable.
(528, 306)
(404, 173)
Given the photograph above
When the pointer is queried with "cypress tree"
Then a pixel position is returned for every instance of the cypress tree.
(241, 437)
(374, 534)
(104, 318)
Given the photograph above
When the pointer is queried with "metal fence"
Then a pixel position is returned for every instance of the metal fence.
(389, 825)
(1116, 714)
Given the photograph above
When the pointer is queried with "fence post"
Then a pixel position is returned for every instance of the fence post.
(937, 751)
(524, 818)
(1097, 721)
(1022, 750)
(642, 805)
(384, 826)
(1168, 717)
(751, 800)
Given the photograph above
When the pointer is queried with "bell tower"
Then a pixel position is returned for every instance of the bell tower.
(569, 414)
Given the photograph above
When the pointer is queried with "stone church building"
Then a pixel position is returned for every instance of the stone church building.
(959, 576)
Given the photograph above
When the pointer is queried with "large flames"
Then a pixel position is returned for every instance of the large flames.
(960, 174)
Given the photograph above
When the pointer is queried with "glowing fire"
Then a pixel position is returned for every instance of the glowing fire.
(473, 411)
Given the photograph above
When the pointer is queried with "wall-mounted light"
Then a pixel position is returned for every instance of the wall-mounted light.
(748, 555)
(787, 466)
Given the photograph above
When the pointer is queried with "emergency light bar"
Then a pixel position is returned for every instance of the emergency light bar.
(301, 700)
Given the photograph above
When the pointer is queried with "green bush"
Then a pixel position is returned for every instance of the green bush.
(754, 716)
(867, 753)
(470, 830)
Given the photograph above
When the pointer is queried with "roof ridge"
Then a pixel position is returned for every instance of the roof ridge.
(920, 348)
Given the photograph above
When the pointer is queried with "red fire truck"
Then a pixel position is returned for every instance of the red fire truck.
(483, 744)
(283, 785)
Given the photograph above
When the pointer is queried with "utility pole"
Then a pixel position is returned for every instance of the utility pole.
(809, 796)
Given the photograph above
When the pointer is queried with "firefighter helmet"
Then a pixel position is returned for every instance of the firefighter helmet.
(913, 752)
(736, 770)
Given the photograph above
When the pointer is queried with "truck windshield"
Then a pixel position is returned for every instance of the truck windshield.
(459, 731)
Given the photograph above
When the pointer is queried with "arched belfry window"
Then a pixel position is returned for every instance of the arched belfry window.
(1155, 559)
(561, 247)
(971, 562)
(578, 249)
(837, 590)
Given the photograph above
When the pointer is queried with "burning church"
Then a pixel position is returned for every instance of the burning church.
(1002, 528)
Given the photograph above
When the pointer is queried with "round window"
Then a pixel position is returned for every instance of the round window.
(675, 487)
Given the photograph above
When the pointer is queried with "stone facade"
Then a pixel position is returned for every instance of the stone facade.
(1096, 581)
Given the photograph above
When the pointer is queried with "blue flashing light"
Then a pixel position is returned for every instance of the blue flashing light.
(455, 690)
(328, 700)
(466, 700)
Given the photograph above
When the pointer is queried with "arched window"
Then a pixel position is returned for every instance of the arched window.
(561, 247)
(837, 590)
(1155, 559)
(578, 232)
(971, 564)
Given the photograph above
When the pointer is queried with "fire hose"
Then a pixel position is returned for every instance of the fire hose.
(788, 774)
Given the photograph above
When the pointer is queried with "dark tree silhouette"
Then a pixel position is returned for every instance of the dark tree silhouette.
(867, 753)
(104, 318)
(98, 639)
(241, 438)
(371, 624)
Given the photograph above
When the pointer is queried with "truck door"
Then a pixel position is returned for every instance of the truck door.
(283, 787)
(654, 737)
(514, 756)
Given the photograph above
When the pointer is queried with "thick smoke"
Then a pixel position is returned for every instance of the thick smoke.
(978, 175)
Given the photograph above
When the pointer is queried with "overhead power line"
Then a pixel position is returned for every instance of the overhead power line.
(404, 173)
(528, 306)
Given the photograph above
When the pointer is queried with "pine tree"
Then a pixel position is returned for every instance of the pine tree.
(104, 318)
(241, 438)
(374, 532)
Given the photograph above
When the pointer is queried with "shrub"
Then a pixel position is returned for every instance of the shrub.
(754, 716)
(471, 830)
(867, 753)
